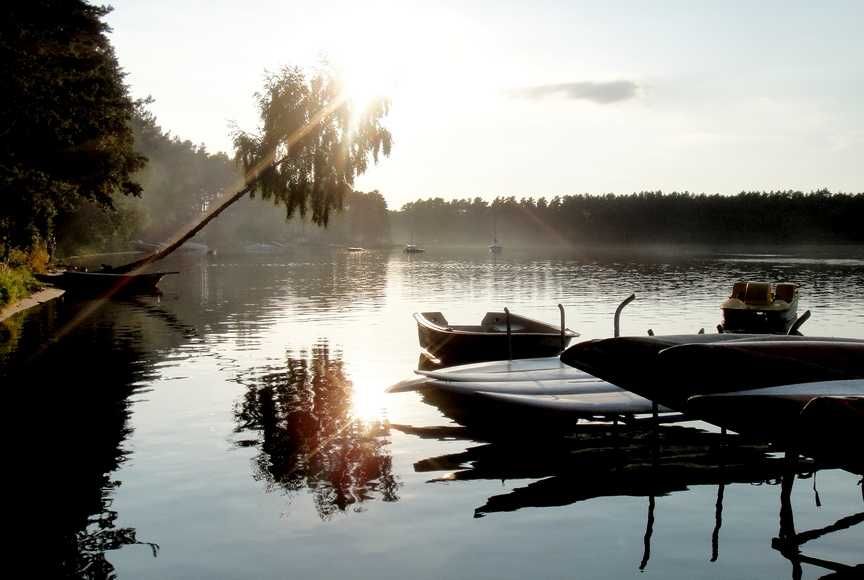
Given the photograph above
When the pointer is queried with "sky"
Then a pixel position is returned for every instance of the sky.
(536, 98)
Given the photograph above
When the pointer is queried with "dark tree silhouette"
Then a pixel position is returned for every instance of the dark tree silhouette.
(770, 218)
(65, 135)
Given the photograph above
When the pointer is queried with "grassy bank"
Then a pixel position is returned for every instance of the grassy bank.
(15, 283)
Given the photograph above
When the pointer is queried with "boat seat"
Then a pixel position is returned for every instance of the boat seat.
(758, 293)
(785, 291)
(738, 290)
(494, 318)
(436, 318)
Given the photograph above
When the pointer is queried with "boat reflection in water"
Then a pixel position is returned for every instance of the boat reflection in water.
(308, 437)
(596, 460)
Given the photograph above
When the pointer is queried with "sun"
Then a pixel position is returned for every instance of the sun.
(365, 83)
(375, 48)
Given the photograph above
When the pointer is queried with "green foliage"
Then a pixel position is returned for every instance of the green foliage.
(366, 218)
(180, 179)
(787, 217)
(310, 144)
(65, 135)
(93, 228)
(15, 283)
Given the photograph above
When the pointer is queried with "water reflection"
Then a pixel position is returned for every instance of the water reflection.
(76, 415)
(598, 461)
(300, 418)
(788, 541)
(308, 437)
(620, 460)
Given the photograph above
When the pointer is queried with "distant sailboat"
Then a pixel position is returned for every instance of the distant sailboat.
(495, 247)
(411, 247)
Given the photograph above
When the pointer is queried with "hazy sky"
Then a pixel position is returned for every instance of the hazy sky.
(536, 98)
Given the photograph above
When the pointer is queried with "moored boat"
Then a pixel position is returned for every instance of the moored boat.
(673, 368)
(455, 344)
(586, 385)
(760, 307)
(538, 368)
(775, 411)
(105, 282)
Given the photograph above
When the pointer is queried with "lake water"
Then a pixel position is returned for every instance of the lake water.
(237, 427)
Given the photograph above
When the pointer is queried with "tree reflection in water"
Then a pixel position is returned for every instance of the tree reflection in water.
(308, 438)
(74, 391)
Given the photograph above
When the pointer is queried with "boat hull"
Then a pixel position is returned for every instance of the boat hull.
(703, 369)
(829, 427)
(100, 283)
(457, 348)
(758, 321)
(670, 369)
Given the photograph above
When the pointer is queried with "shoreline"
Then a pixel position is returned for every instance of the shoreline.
(39, 297)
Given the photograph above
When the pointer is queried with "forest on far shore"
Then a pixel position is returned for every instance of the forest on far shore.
(649, 217)
(181, 177)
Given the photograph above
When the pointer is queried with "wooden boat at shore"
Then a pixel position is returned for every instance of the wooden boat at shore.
(760, 307)
(454, 344)
(104, 282)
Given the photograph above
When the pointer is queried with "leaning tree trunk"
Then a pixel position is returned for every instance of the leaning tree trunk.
(183, 236)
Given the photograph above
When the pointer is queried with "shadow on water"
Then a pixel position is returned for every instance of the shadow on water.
(75, 388)
(789, 541)
(308, 438)
(601, 460)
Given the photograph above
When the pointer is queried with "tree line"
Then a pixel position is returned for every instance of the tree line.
(750, 217)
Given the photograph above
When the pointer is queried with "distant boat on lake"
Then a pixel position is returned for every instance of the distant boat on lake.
(495, 247)
(412, 248)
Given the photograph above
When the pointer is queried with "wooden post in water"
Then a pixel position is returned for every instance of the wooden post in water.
(509, 334)
(563, 332)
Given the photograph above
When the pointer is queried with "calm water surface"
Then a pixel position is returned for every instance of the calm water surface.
(237, 426)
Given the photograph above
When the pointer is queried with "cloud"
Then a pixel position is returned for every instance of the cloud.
(598, 92)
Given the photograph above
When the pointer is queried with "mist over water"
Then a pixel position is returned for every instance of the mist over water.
(237, 426)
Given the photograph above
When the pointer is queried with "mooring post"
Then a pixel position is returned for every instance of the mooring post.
(509, 334)
(621, 306)
(563, 332)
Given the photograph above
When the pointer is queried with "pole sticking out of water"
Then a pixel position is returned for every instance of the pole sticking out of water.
(621, 306)
(563, 332)
(509, 334)
(799, 322)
